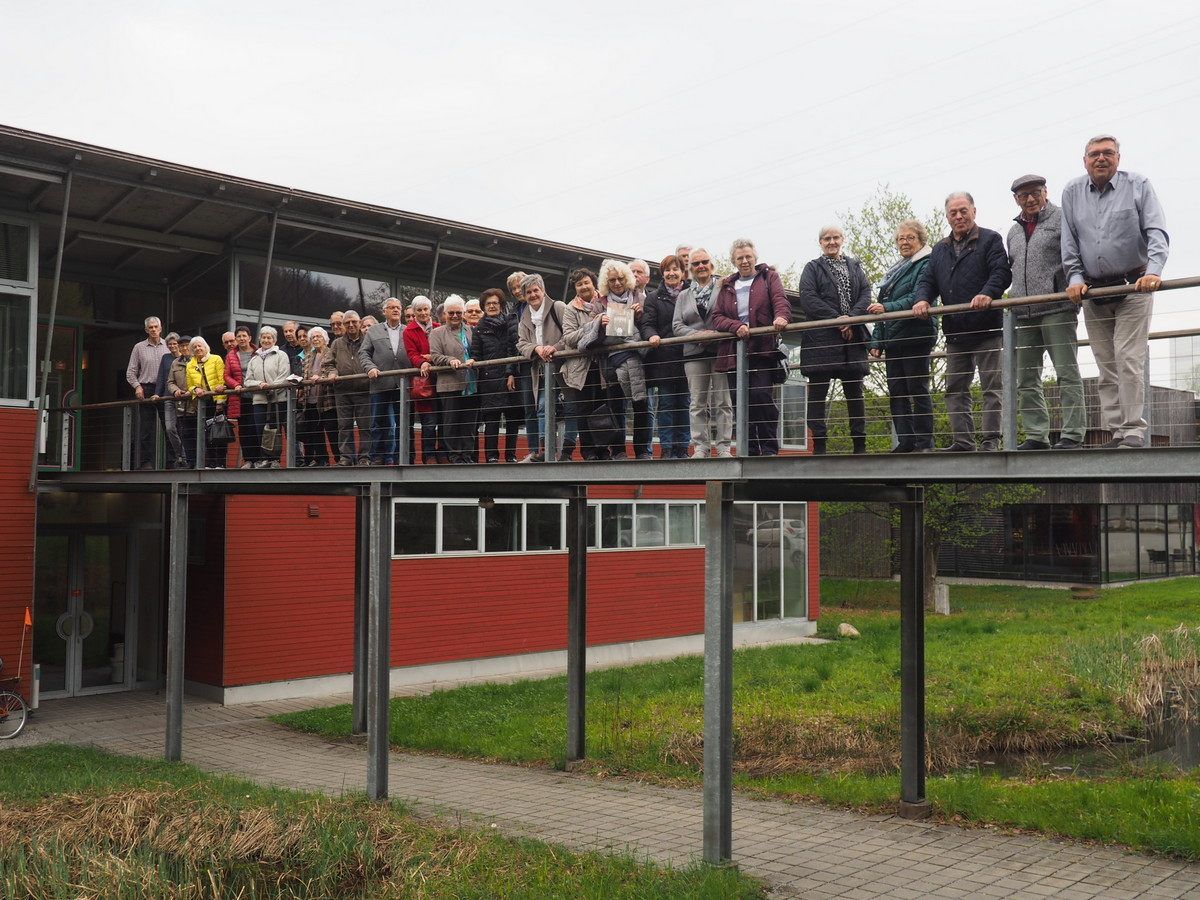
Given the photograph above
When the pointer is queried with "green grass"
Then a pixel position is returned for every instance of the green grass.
(80, 822)
(1014, 670)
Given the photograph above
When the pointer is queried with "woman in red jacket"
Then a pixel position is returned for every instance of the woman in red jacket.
(424, 398)
(753, 297)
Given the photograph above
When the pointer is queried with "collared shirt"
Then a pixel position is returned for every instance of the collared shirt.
(394, 335)
(959, 245)
(1112, 230)
(144, 361)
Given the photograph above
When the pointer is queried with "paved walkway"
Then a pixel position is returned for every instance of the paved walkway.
(801, 850)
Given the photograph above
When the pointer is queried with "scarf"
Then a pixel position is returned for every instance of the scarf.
(896, 272)
(469, 388)
(536, 316)
(702, 296)
(673, 293)
(263, 351)
(840, 270)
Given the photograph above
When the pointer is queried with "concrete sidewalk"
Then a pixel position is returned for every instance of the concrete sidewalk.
(799, 849)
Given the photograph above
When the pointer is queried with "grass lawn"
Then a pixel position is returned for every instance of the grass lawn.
(79, 822)
(1015, 670)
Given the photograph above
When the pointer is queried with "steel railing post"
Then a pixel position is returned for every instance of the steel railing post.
(126, 438)
(201, 432)
(289, 448)
(741, 418)
(404, 426)
(550, 419)
(1008, 382)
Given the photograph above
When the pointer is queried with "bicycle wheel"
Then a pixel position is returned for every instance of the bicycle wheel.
(13, 714)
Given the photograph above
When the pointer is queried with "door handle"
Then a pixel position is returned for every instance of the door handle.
(87, 624)
(60, 626)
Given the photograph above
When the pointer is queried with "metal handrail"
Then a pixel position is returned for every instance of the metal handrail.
(698, 338)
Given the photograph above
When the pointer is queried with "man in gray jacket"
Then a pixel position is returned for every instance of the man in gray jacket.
(382, 350)
(1035, 257)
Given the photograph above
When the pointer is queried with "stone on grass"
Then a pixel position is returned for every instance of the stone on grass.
(847, 630)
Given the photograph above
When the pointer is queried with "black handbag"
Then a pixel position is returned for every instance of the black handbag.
(603, 427)
(218, 431)
(779, 366)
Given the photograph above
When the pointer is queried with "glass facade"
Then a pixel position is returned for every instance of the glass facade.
(1086, 543)
(770, 549)
(307, 295)
(14, 346)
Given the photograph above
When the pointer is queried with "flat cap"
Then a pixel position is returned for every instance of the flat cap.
(1028, 181)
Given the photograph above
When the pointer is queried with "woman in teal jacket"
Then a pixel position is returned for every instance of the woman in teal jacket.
(905, 344)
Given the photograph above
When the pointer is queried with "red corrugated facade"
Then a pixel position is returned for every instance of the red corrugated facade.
(289, 593)
(17, 529)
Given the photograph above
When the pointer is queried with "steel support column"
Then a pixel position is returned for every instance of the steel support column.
(913, 804)
(577, 510)
(718, 673)
(1008, 382)
(262, 300)
(45, 369)
(741, 412)
(379, 599)
(177, 561)
(358, 715)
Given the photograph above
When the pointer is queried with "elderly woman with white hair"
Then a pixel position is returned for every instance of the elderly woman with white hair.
(206, 373)
(753, 297)
(458, 389)
(269, 367)
(317, 425)
(421, 388)
(834, 286)
(472, 312)
(539, 334)
(624, 367)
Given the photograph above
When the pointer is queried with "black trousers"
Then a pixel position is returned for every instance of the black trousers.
(907, 366)
(818, 391)
(497, 402)
(460, 427)
(763, 414)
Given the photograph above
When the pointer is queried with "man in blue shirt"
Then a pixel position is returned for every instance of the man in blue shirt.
(1114, 232)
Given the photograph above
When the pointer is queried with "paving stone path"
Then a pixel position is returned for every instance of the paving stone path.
(801, 850)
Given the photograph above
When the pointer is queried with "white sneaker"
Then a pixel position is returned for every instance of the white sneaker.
(699, 452)
(724, 453)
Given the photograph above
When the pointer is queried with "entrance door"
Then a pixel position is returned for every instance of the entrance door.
(83, 612)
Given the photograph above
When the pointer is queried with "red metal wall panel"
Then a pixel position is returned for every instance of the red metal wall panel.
(17, 529)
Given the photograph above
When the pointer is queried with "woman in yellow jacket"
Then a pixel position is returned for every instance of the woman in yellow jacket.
(205, 371)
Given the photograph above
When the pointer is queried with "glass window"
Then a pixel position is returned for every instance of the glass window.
(14, 347)
(616, 525)
(460, 527)
(1122, 538)
(302, 293)
(14, 252)
(1152, 540)
(502, 528)
(202, 301)
(543, 526)
(682, 522)
(414, 528)
(651, 525)
(770, 540)
(591, 526)
(795, 560)
(743, 562)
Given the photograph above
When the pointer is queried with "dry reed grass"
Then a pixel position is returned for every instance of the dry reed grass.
(766, 745)
(1166, 676)
(124, 844)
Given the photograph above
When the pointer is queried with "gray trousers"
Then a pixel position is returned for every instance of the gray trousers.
(1055, 334)
(1118, 333)
(352, 406)
(710, 410)
(961, 363)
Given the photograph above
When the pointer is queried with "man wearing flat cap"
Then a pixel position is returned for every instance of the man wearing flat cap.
(1114, 233)
(1035, 255)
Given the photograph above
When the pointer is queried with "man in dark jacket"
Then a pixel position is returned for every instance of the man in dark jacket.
(350, 398)
(970, 267)
(1035, 255)
(383, 350)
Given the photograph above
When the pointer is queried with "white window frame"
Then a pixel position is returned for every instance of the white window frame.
(594, 507)
(29, 290)
(783, 564)
(441, 502)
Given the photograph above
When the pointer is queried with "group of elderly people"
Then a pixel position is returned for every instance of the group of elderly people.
(491, 355)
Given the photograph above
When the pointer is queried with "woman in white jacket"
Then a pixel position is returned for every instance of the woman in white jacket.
(268, 367)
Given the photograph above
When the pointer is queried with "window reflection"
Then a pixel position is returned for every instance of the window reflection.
(301, 293)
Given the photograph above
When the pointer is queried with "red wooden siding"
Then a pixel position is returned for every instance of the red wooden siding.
(17, 529)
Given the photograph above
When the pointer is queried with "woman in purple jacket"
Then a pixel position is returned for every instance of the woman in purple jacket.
(753, 297)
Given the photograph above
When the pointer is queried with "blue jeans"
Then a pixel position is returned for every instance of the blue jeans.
(385, 427)
(674, 425)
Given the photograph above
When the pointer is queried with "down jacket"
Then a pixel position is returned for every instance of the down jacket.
(823, 349)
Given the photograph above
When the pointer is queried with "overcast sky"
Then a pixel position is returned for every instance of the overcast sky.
(631, 127)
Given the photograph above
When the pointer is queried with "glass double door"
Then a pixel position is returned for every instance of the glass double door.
(83, 613)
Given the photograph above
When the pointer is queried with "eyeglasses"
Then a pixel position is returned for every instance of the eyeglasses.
(1027, 195)
(1107, 154)
(453, 314)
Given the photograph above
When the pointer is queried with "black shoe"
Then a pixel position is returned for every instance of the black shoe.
(956, 447)
(1067, 444)
(1031, 444)
(493, 459)
(989, 446)
(902, 448)
(1112, 445)
(860, 446)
